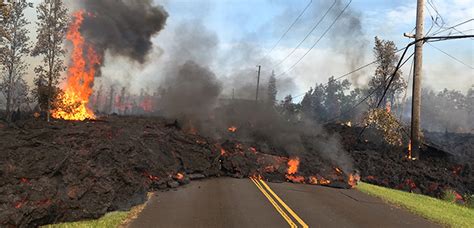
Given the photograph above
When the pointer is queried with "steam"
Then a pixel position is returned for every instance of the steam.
(123, 27)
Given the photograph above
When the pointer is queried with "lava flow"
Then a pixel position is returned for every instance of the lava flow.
(73, 103)
(293, 164)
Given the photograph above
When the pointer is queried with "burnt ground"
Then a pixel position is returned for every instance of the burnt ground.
(67, 171)
(438, 169)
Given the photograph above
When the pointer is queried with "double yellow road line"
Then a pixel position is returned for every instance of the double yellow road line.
(272, 196)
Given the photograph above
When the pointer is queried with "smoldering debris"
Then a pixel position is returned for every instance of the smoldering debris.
(123, 27)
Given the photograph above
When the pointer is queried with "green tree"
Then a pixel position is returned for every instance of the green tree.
(13, 52)
(52, 27)
(385, 53)
(312, 105)
(335, 95)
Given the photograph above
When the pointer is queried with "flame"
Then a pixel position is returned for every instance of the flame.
(323, 181)
(313, 180)
(232, 129)
(353, 180)
(293, 164)
(179, 176)
(339, 171)
(147, 104)
(72, 105)
(151, 177)
(223, 152)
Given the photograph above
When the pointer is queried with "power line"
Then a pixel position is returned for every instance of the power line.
(425, 39)
(307, 35)
(372, 92)
(289, 28)
(456, 59)
(311, 48)
(352, 72)
(406, 89)
(453, 27)
(394, 74)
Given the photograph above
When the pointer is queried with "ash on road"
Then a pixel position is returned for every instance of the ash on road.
(227, 202)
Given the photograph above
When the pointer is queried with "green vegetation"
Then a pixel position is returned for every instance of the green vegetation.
(449, 196)
(436, 210)
(112, 219)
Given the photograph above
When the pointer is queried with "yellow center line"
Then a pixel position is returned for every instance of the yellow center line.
(300, 221)
(275, 205)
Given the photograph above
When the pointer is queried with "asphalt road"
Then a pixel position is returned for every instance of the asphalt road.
(227, 202)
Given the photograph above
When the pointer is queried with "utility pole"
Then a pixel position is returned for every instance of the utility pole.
(416, 103)
(258, 82)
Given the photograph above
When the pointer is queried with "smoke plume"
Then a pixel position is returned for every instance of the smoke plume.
(123, 27)
(191, 92)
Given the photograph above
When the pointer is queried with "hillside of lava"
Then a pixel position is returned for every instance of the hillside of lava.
(68, 171)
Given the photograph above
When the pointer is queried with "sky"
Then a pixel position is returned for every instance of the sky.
(258, 24)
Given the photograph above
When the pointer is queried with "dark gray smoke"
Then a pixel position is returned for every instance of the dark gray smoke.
(348, 37)
(123, 27)
(191, 92)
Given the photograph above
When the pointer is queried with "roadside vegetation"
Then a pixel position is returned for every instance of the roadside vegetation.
(440, 211)
(112, 219)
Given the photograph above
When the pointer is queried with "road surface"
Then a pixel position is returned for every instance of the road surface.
(228, 202)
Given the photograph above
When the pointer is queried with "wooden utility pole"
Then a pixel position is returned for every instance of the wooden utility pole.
(258, 82)
(416, 103)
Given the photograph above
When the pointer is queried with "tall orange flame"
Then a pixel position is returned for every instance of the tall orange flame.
(73, 104)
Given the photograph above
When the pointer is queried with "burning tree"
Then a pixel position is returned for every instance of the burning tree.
(73, 103)
(52, 26)
(13, 52)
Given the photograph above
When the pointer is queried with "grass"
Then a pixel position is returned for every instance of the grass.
(112, 220)
(109, 220)
(436, 210)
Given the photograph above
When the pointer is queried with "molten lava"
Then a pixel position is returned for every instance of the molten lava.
(232, 129)
(293, 164)
(179, 176)
(409, 155)
(73, 103)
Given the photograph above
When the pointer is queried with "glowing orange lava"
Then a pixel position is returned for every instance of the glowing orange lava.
(179, 176)
(293, 164)
(73, 103)
(232, 129)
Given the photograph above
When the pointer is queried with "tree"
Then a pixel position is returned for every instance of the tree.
(334, 95)
(52, 27)
(385, 53)
(13, 52)
(272, 90)
(289, 109)
(312, 105)
(470, 106)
